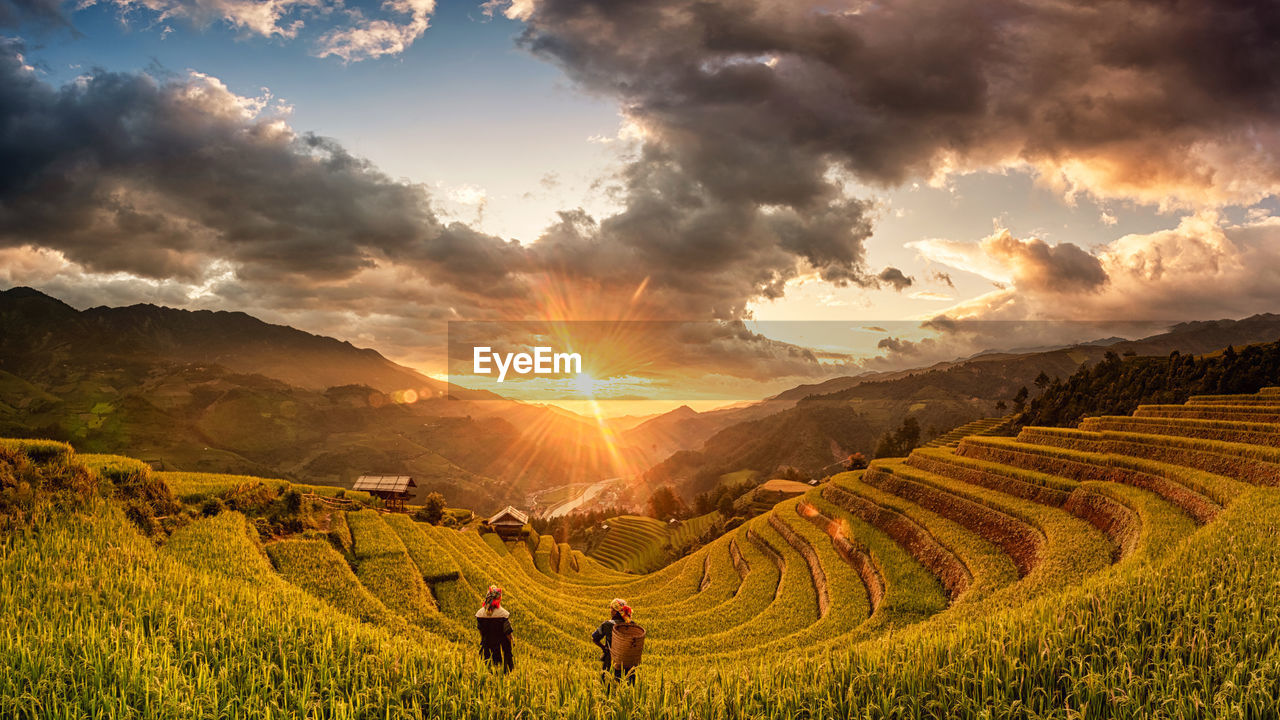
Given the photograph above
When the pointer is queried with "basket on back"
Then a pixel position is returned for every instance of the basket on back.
(627, 645)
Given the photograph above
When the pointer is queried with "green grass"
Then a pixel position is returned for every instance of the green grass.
(340, 531)
(969, 566)
(226, 544)
(693, 528)
(244, 651)
(635, 543)
(741, 477)
(1225, 430)
(911, 592)
(97, 620)
(985, 426)
(38, 450)
(496, 543)
(317, 568)
(420, 541)
(546, 556)
(195, 486)
(384, 567)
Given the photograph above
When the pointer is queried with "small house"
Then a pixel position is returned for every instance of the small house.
(508, 523)
(393, 489)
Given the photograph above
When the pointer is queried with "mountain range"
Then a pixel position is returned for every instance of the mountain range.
(812, 427)
(226, 392)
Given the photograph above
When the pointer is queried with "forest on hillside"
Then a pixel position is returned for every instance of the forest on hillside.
(1118, 385)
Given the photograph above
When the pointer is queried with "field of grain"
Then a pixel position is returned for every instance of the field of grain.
(1125, 569)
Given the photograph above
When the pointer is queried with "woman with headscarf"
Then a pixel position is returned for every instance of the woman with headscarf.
(619, 613)
(496, 635)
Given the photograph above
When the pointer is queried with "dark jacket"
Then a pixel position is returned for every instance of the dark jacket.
(603, 638)
(495, 637)
(495, 628)
(603, 635)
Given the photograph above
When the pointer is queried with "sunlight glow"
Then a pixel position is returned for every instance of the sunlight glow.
(584, 384)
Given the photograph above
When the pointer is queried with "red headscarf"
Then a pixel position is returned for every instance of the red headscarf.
(493, 598)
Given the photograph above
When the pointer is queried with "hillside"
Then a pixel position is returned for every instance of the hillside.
(822, 429)
(45, 331)
(638, 544)
(821, 424)
(200, 417)
(1117, 385)
(224, 392)
(1046, 568)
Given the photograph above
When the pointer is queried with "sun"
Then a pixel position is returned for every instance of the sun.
(584, 384)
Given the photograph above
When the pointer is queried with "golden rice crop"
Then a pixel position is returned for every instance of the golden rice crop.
(98, 620)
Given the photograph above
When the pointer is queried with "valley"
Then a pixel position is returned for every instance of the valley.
(1003, 560)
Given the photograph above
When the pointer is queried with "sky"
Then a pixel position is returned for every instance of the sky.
(373, 171)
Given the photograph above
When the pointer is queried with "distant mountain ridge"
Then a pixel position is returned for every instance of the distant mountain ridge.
(814, 425)
(223, 391)
(226, 392)
(234, 340)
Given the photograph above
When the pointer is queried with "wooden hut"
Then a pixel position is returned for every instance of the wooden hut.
(508, 523)
(393, 489)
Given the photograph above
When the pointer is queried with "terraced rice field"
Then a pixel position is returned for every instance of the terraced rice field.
(193, 486)
(1128, 568)
(985, 426)
(638, 544)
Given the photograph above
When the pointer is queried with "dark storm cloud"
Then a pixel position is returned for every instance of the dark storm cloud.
(894, 345)
(189, 191)
(120, 172)
(894, 278)
(756, 99)
(1037, 266)
(704, 255)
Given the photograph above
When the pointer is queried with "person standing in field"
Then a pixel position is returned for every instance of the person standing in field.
(496, 635)
(619, 612)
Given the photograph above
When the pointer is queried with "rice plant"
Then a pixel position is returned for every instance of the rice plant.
(1050, 576)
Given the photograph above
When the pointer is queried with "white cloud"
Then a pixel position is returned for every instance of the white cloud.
(930, 295)
(1204, 268)
(511, 9)
(372, 38)
(267, 18)
(356, 37)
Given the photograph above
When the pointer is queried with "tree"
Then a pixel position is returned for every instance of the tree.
(856, 461)
(790, 472)
(293, 502)
(704, 503)
(909, 433)
(1118, 389)
(432, 510)
(1001, 406)
(663, 503)
(1042, 380)
(1020, 400)
(726, 505)
(900, 442)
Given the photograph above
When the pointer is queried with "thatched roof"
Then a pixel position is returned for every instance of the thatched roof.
(384, 483)
(511, 515)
